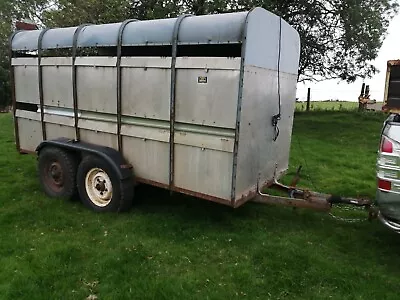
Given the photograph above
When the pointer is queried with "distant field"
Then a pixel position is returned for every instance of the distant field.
(328, 105)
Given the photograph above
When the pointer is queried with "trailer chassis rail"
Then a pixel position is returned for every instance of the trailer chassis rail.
(303, 198)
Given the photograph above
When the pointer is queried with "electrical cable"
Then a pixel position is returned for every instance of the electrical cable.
(276, 118)
(305, 162)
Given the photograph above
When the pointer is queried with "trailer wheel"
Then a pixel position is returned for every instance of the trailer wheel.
(100, 188)
(57, 172)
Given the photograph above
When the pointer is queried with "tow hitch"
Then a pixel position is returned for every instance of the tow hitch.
(303, 198)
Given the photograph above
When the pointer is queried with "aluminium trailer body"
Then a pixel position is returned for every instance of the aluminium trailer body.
(201, 105)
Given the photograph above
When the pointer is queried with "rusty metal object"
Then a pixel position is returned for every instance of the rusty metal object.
(26, 25)
(250, 194)
(126, 166)
(54, 176)
(276, 200)
(183, 191)
(246, 198)
(389, 98)
(364, 98)
(308, 199)
(373, 213)
(152, 182)
(393, 62)
(23, 151)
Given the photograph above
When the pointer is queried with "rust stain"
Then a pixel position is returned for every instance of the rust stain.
(23, 151)
(250, 194)
(126, 166)
(393, 63)
(184, 191)
(151, 182)
(291, 202)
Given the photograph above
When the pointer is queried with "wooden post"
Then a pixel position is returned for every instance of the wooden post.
(366, 93)
(308, 99)
(361, 97)
(362, 90)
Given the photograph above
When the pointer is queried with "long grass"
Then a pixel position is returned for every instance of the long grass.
(180, 247)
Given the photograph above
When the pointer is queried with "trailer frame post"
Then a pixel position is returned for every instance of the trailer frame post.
(172, 100)
(239, 110)
(74, 79)
(13, 96)
(40, 78)
(119, 80)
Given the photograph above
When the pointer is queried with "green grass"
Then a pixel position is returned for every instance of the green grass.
(328, 106)
(184, 248)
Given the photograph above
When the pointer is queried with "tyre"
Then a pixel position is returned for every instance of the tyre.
(57, 172)
(100, 188)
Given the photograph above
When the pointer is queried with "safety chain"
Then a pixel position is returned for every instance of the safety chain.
(348, 220)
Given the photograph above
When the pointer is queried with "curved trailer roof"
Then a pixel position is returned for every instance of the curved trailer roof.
(222, 28)
(267, 36)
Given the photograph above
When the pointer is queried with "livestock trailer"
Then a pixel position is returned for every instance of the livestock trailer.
(201, 105)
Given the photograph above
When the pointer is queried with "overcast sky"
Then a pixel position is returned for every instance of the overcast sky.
(333, 89)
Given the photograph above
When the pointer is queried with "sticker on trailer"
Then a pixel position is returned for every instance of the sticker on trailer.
(202, 79)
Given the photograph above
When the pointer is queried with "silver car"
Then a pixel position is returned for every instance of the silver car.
(388, 173)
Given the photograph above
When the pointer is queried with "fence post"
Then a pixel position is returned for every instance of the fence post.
(361, 97)
(362, 90)
(308, 99)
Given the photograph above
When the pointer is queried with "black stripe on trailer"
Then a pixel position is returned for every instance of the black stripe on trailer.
(119, 80)
(172, 100)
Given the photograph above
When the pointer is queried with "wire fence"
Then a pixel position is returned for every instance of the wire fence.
(350, 95)
(331, 95)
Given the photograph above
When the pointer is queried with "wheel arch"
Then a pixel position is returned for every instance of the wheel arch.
(112, 156)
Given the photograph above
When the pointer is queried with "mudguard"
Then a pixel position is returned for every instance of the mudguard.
(112, 156)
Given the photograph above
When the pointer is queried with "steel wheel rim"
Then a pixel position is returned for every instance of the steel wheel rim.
(54, 175)
(98, 187)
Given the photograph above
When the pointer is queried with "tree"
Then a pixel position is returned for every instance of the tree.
(340, 38)
(11, 10)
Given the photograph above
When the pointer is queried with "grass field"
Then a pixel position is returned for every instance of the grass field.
(183, 248)
(328, 106)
